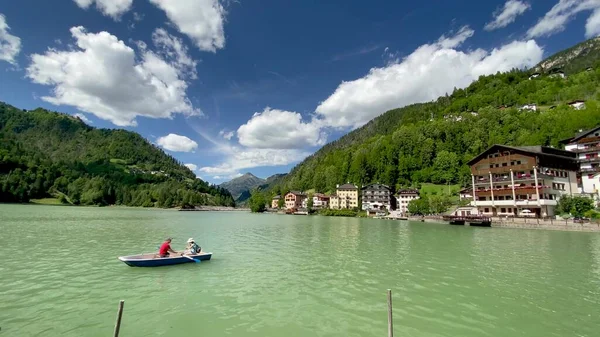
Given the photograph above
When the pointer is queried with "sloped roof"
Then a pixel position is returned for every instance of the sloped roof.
(579, 135)
(377, 187)
(297, 193)
(408, 191)
(347, 187)
(539, 151)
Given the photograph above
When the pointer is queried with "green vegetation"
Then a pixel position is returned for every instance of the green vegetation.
(280, 202)
(257, 202)
(432, 142)
(339, 212)
(47, 201)
(46, 154)
(575, 206)
(434, 204)
(574, 59)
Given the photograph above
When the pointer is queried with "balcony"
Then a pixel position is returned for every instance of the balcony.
(590, 160)
(508, 191)
(589, 169)
(587, 149)
(521, 203)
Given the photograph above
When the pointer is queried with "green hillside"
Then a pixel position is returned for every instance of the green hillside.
(47, 154)
(431, 142)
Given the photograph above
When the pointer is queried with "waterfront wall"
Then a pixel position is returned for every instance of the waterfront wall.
(531, 223)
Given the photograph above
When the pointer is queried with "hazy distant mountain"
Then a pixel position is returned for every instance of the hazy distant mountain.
(239, 185)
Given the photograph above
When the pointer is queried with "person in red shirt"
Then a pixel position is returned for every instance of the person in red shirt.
(165, 248)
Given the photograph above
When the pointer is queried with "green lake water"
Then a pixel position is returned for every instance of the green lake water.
(278, 275)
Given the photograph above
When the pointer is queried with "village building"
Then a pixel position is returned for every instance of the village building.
(530, 107)
(466, 193)
(404, 197)
(346, 197)
(556, 73)
(465, 211)
(577, 105)
(293, 200)
(534, 75)
(319, 201)
(275, 201)
(522, 181)
(376, 197)
(586, 147)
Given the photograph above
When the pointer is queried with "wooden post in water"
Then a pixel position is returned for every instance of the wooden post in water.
(119, 315)
(390, 324)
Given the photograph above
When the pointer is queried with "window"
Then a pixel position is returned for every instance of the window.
(504, 164)
(502, 210)
(486, 210)
(518, 162)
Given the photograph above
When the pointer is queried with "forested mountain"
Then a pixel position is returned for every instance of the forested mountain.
(241, 184)
(45, 153)
(431, 142)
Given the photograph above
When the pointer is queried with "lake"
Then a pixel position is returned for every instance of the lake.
(281, 275)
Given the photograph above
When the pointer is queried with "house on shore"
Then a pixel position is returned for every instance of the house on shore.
(294, 199)
(275, 201)
(466, 193)
(520, 181)
(586, 147)
(320, 200)
(404, 197)
(346, 197)
(377, 197)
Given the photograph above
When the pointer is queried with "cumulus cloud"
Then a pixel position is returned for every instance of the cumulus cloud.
(83, 118)
(278, 129)
(177, 143)
(192, 167)
(105, 77)
(244, 158)
(508, 14)
(201, 20)
(226, 134)
(112, 8)
(592, 25)
(432, 70)
(559, 15)
(175, 50)
(10, 45)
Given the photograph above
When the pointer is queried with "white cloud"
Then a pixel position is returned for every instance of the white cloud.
(173, 49)
(228, 177)
(243, 158)
(10, 45)
(105, 77)
(559, 15)
(592, 26)
(508, 14)
(278, 129)
(227, 134)
(201, 20)
(83, 118)
(112, 8)
(432, 70)
(192, 167)
(177, 143)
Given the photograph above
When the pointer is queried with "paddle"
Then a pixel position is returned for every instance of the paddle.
(188, 257)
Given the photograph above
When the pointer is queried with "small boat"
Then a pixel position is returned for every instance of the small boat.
(153, 260)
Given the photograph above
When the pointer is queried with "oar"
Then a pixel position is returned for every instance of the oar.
(187, 257)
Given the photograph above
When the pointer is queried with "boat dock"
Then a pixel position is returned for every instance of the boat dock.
(472, 220)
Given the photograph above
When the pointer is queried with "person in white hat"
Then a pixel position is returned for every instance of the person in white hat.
(192, 247)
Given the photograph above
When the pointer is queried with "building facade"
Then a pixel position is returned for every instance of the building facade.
(522, 181)
(403, 197)
(376, 197)
(319, 201)
(346, 197)
(275, 201)
(586, 147)
(293, 200)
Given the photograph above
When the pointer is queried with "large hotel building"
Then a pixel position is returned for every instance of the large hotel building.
(522, 181)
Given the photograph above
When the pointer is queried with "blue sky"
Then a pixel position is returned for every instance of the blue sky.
(235, 86)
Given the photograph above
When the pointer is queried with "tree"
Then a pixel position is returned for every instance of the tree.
(257, 202)
(576, 206)
(309, 203)
(439, 204)
(419, 206)
(281, 203)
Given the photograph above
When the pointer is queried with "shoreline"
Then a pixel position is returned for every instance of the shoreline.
(528, 223)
